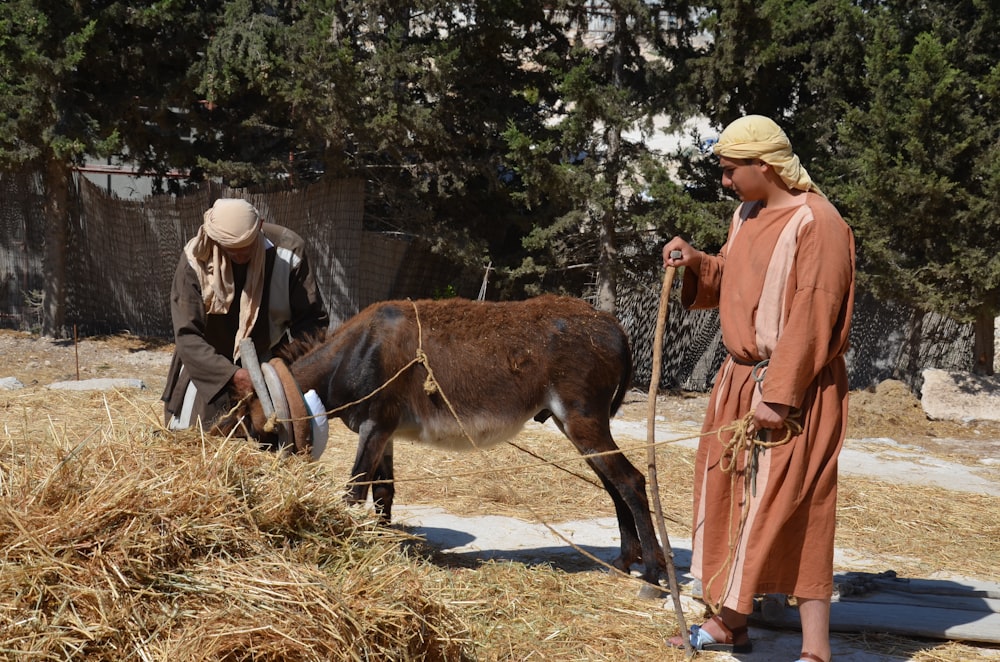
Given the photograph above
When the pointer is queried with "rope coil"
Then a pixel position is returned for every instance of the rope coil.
(745, 441)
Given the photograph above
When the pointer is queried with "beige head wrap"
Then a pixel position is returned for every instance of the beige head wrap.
(230, 224)
(758, 137)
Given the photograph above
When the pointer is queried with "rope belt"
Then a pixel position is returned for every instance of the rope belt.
(737, 360)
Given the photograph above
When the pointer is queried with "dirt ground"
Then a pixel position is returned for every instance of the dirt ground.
(877, 527)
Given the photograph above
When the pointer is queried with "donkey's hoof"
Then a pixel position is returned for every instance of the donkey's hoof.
(651, 592)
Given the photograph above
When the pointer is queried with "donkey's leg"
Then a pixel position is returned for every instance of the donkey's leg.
(384, 492)
(631, 550)
(593, 435)
(369, 461)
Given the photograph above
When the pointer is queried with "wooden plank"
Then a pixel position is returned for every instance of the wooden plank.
(864, 582)
(960, 602)
(909, 620)
(970, 588)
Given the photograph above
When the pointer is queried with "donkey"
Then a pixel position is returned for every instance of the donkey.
(498, 365)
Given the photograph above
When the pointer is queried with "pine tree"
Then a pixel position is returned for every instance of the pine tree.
(587, 166)
(93, 79)
(920, 180)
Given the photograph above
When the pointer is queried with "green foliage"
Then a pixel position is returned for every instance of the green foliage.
(800, 62)
(33, 55)
(446, 292)
(99, 80)
(584, 162)
(887, 104)
(506, 131)
(919, 182)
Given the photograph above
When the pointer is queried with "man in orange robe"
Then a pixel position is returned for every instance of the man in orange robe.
(784, 285)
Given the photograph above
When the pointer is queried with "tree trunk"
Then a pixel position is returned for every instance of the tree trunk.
(984, 346)
(607, 282)
(57, 178)
(607, 265)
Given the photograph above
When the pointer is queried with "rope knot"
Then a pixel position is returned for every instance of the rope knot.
(430, 383)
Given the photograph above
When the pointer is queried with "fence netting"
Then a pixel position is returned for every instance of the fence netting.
(121, 256)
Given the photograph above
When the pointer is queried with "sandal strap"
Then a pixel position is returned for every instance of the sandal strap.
(809, 657)
(727, 634)
(700, 638)
(730, 634)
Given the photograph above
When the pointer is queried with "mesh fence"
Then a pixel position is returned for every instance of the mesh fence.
(888, 341)
(122, 255)
(22, 248)
(124, 252)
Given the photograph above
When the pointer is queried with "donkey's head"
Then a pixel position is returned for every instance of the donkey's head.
(246, 420)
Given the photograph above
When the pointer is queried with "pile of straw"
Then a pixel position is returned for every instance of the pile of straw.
(132, 543)
(122, 541)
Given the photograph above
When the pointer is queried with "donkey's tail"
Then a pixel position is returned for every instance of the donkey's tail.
(625, 379)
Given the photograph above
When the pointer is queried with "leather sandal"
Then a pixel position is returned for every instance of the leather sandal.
(809, 657)
(703, 641)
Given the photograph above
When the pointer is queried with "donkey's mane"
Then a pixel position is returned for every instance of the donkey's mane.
(299, 347)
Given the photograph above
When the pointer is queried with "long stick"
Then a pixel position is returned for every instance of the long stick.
(654, 381)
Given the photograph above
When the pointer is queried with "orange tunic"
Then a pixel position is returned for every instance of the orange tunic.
(784, 285)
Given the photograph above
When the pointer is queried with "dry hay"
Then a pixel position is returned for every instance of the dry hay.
(517, 612)
(892, 410)
(542, 477)
(123, 542)
(887, 409)
(920, 530)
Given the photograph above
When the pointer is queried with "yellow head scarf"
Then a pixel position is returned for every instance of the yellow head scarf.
(230, 223)
(758, 137)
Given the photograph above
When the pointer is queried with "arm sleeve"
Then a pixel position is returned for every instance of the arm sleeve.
(209, 370)
(818, 319)
(701, 290)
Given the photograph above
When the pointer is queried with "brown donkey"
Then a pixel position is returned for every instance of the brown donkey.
(499, 365)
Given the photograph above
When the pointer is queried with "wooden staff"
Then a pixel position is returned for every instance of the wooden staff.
(654, 380)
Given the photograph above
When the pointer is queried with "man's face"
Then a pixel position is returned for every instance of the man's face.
(240, 255)
(745, 177)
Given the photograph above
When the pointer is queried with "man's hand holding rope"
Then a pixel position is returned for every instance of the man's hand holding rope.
(770, 416)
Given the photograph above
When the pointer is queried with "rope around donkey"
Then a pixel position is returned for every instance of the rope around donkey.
(740, 441)
(431, 385)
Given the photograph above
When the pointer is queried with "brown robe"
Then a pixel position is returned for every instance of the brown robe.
(203, 352)
(784, 285)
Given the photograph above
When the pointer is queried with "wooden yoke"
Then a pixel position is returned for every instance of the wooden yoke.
(280, 398)
(301, 430)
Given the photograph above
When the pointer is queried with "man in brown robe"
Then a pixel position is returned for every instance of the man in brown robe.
(237, 278)
(784, 285)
